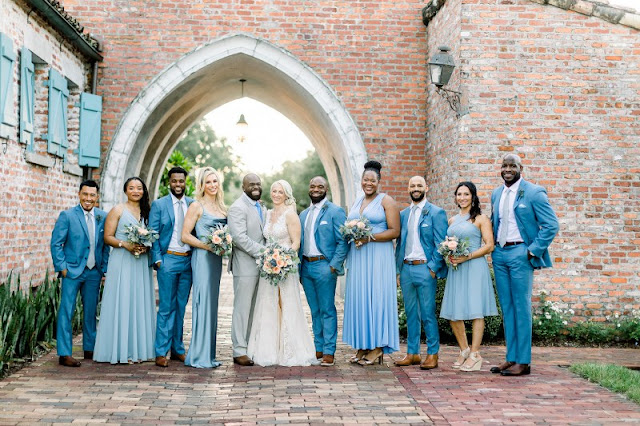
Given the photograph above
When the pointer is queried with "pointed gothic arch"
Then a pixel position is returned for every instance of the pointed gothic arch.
(207, 78)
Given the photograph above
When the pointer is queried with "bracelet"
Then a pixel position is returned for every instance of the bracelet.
(119, 243)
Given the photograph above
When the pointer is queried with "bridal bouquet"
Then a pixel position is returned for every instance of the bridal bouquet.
(276, 262)
(453, 247)
(220, 240)
(356, 229)
(140, 234)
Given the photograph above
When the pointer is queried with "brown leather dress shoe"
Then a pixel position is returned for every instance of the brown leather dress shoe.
(328, 361)
(243, 360)
(162, 361)
(517, 370)
(409, 359)
(69, 361)
(178, 357)
(88, 354)
(503, 366)
(319, 355)
(430, 362)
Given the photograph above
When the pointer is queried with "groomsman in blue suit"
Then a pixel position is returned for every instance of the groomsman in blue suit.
(419, 265)
(524, 224)
(80, 257)
(172, 259)
(323, 251)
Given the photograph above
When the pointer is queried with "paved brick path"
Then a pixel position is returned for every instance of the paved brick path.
(345, 394)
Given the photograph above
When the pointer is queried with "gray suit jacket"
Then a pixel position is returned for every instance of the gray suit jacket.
(245, 228)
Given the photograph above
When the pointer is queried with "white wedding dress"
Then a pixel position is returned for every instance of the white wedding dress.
(280, 332)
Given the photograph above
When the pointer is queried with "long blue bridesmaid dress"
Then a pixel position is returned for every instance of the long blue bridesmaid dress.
(371, 304)
(127, 326)
(207, 270)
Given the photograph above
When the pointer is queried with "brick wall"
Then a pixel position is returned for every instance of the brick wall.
(372, 54)
(562, 90)
(31, 195)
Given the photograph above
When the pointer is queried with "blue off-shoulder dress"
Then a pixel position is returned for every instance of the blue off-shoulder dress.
(468, 293)
(371, 304)
(127, 326)
(207, 270)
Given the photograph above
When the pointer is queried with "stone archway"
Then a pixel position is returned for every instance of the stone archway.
(207, 78)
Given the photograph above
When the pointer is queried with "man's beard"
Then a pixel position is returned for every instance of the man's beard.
(418, 199)
(316, 200)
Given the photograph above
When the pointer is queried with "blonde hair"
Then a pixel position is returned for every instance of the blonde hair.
(201, 177)
(288, 192)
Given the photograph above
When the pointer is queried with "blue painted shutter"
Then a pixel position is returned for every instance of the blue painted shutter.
(27, 94)
(7, 58)
(90, 130)
(58, 100)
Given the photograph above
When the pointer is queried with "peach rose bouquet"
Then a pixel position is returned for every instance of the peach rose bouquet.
(453, 247)
(219, 239)
(356, 229)
(276, 262)
(140, 234)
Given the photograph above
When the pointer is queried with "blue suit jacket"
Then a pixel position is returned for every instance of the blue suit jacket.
(432, 228)
(537, 222)
(70, 242)
(162, 219)
(327, 234)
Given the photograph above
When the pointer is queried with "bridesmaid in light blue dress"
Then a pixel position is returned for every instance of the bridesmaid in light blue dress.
(371, 304)
(468, 294)
(126, 330)
(204, 215)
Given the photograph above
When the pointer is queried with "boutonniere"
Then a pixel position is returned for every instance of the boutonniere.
(325, 206)
(520, 193)
(425, 212)
(99, 218)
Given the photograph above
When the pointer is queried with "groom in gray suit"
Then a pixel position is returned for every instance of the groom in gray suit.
(245, 220)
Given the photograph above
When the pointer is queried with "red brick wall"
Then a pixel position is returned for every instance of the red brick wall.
(32, 196)
(561, 89)
(372, 54)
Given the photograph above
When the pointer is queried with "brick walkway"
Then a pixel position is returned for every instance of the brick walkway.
(345, 394)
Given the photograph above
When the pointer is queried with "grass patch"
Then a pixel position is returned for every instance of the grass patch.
(613, 377)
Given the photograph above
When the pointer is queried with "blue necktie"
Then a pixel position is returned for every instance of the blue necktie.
(259, 210)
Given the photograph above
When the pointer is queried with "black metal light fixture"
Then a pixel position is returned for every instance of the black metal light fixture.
(441, 67)
(242, 125)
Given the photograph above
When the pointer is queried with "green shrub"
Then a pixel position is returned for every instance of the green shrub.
(28, 319)
(550, 323)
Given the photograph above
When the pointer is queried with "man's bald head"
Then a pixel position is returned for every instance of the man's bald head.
(318, 189)
(417, 188)
(252, 186)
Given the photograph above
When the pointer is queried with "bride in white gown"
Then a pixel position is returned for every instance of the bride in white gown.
(280, 332)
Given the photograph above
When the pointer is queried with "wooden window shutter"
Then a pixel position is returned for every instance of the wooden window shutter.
(57, 126)
(27, 95)
(90, 130)
(7, 59)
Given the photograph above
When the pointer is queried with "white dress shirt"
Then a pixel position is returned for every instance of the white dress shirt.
(312, 250)
(513, 235)
(176, 236)
(417, 252)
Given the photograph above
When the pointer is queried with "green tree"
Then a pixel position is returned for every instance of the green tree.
(298, 174)
(202, 147)
(177, 159)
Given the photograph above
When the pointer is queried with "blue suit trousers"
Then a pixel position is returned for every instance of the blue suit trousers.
(319, 285)
(419, 295)
(514, 282)
(88, 283)
(174, 285)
